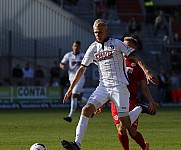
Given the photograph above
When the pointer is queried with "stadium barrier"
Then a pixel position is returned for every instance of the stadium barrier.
(29, 96)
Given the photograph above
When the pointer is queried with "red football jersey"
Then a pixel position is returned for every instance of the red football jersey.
(135, 74)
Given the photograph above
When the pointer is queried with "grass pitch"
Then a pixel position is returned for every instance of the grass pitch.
(20, 128)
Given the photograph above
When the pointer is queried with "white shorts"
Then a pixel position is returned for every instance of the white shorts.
(118, 94)
(79, 86)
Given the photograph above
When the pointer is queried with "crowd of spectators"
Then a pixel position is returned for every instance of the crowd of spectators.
(30, 76)
(104, 8)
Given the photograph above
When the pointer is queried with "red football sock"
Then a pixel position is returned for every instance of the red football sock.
(124, 141)
(140, 140)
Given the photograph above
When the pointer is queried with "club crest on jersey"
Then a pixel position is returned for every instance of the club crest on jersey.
(104, 55)
(116, 117)
(112, 46)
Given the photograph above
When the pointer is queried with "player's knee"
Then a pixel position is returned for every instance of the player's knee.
(132, 133)
(88, 110)
(125, 122)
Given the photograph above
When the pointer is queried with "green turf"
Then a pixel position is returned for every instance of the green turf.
(19, 129)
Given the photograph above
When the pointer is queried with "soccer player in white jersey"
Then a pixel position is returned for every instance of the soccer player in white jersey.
(73, 59)
(108, 54)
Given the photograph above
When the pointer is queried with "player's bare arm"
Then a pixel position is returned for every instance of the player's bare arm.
(146, 92)
(76, 79)
(62, 66)
(148, 74)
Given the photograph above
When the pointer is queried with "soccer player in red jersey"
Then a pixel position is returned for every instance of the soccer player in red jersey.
(136, 77)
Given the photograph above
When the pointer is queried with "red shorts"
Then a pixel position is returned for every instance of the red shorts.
(132, 103)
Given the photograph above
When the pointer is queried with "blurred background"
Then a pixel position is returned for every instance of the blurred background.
(35, 35)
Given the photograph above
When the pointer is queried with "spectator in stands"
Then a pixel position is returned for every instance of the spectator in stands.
(162, 86)
(174, 58)
(139, 41)
(149, 8)
(39, 72)
(39, 76)
(161, 23)
(175, 81)
(133, 25)
(17, 72)
(28, 71)
(166, 42)
(55, 70)
(97, 5)
(53, 82)
(28, 74)
(176, 37)
(101, 9)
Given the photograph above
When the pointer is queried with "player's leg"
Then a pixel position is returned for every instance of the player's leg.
(135, 135)
(120, 96)
(73, 106)
(87, 111)
(138, 138)
(123, 139)
(76, 95)
(96, 100)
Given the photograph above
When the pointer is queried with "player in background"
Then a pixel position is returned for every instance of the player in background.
(136, 78)
(73, 59)
(108, 54)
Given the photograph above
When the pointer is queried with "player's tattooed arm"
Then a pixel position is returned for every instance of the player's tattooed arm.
(148, 74)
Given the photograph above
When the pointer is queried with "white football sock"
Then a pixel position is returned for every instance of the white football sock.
(81, 128)
(135, 113)
(73, 106)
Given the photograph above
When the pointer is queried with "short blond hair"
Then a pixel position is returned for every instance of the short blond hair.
(99, 23)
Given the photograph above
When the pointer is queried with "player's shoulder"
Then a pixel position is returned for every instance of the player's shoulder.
(116, 41)
(82, 54)
(68, 53)
(93, 45)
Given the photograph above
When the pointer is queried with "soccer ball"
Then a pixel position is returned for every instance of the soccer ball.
(38, 146)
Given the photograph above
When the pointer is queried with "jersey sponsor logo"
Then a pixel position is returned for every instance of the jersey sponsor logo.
(123, 107)
(78, 63)
(104, 55)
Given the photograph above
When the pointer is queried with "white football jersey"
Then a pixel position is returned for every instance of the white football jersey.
(74, 63)
(110, 61)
